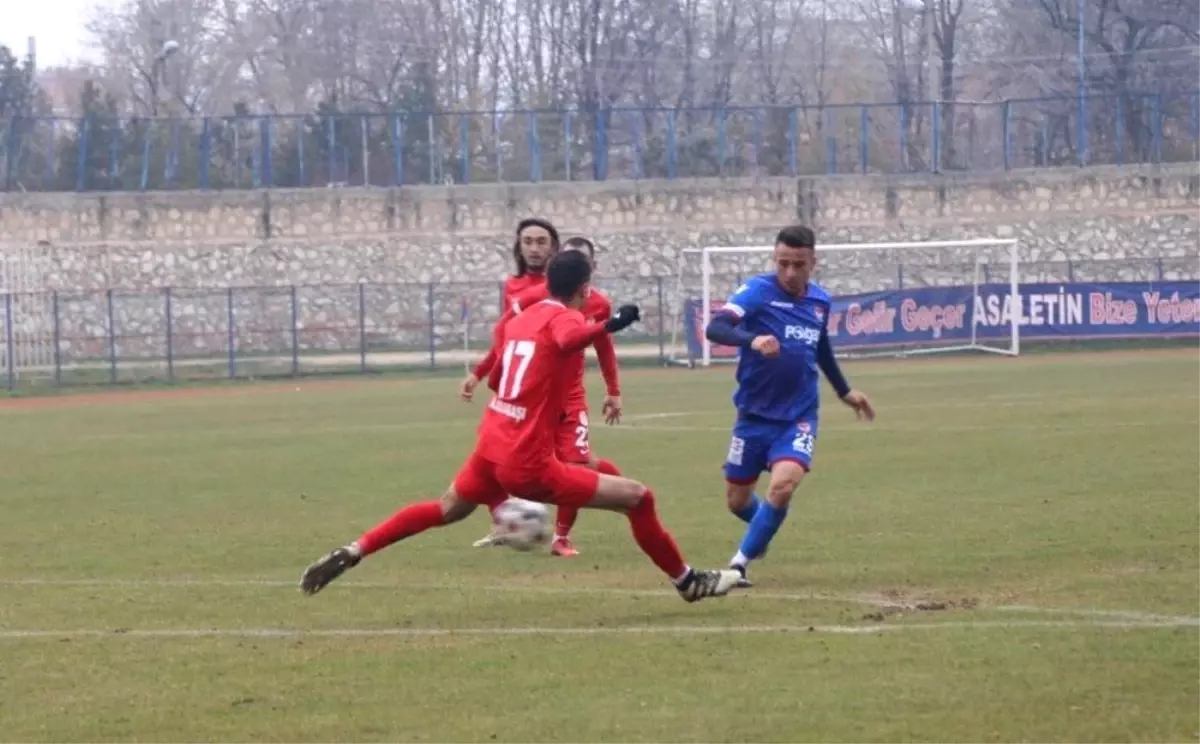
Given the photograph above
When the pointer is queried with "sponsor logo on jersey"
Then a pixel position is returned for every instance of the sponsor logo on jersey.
(802, 333)
(516, 413)
(785, 305)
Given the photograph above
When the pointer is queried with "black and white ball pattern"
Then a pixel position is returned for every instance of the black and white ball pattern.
(524, 524)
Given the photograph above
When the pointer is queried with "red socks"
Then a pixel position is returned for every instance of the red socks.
(565, 520)
(653, 538)
(567, 515)
(409, 521)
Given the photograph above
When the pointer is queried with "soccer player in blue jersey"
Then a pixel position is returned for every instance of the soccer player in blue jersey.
(779, 322)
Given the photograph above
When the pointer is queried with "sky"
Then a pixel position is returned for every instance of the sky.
(57, 24)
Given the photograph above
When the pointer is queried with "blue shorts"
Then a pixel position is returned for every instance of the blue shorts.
(757, 445)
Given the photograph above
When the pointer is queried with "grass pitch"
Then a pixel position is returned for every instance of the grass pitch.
(1009, 553)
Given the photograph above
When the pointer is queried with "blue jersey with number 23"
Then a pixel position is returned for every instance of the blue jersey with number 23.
(776, 399)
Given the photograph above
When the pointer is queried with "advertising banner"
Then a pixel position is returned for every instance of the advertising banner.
(945, 315)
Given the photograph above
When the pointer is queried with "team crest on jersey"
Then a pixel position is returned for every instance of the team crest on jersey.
(820, 313)
(803, 426)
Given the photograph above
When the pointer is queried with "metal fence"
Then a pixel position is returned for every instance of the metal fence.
(397, 149)
(177, 334)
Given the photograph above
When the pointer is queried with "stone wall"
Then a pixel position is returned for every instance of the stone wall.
(1098, 223)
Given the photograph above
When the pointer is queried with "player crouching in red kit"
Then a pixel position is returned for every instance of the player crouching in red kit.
(515, 451)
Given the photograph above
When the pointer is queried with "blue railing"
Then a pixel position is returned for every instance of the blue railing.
(57, 154)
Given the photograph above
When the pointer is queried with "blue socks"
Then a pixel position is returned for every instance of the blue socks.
(763, 526)
(747, 512)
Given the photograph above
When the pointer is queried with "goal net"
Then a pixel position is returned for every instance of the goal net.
(26, 320)
(889, 299)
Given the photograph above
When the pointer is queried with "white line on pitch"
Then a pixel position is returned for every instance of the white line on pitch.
(868, 600)
(568, 631)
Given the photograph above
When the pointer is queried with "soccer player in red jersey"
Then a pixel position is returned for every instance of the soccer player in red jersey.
(516, 445)
(537, 241)
(573, 445)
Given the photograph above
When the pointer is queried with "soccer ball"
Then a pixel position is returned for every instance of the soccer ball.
(521, 524)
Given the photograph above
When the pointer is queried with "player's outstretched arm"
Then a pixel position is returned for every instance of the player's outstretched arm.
(570, 333)
(833, 372)
(723, 329)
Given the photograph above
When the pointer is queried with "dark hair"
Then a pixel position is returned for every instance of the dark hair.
(522, 267)
(567, 272)
(797, 236)
(580, 243)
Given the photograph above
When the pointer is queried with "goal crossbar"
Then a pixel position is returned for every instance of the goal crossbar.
(1011, 244)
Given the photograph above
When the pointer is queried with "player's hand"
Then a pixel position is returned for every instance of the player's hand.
(612, 409)
(625, 316)
(768, 346)
(861, 405)
(466, 389)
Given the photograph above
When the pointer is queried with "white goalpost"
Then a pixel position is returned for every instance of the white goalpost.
(26, 320)
(889, 299)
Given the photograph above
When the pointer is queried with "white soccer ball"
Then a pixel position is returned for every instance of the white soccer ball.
(523, 525)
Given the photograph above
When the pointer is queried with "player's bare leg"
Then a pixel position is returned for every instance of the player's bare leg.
(637, 502)
(786, 476)
(411, 520)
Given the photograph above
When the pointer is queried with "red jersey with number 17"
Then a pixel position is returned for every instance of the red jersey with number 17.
(596, 309)
(531, 382)
(513, 286)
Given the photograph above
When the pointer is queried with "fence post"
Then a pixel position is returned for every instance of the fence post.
(793, 140)
(1120, 133)
(331, 143)
(1157, 137)
(303, 182)
(57, 339)
(600, 167)
(112, 338)
(232, 333)
(81, 161)
(830, 143)
(435, 151)
(432, 327)
(935, 160)
(1006, 133)
(672, 155)
(362, 327)
(397, 151)
(722, 145)
(464, 150)
(268, 164)
(205, 151)
(364, 125)
(295, 333)
(9, 356)
(145, 183)
(899, 275)
(903, 136)
(170, 334)
(567, 141)
(535, 151)
(864, 140)
(662, 321)
(1159, 263)
(758, 138)
(10, 153)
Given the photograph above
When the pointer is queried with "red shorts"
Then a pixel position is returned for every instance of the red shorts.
(484, 482)
(571, 440)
